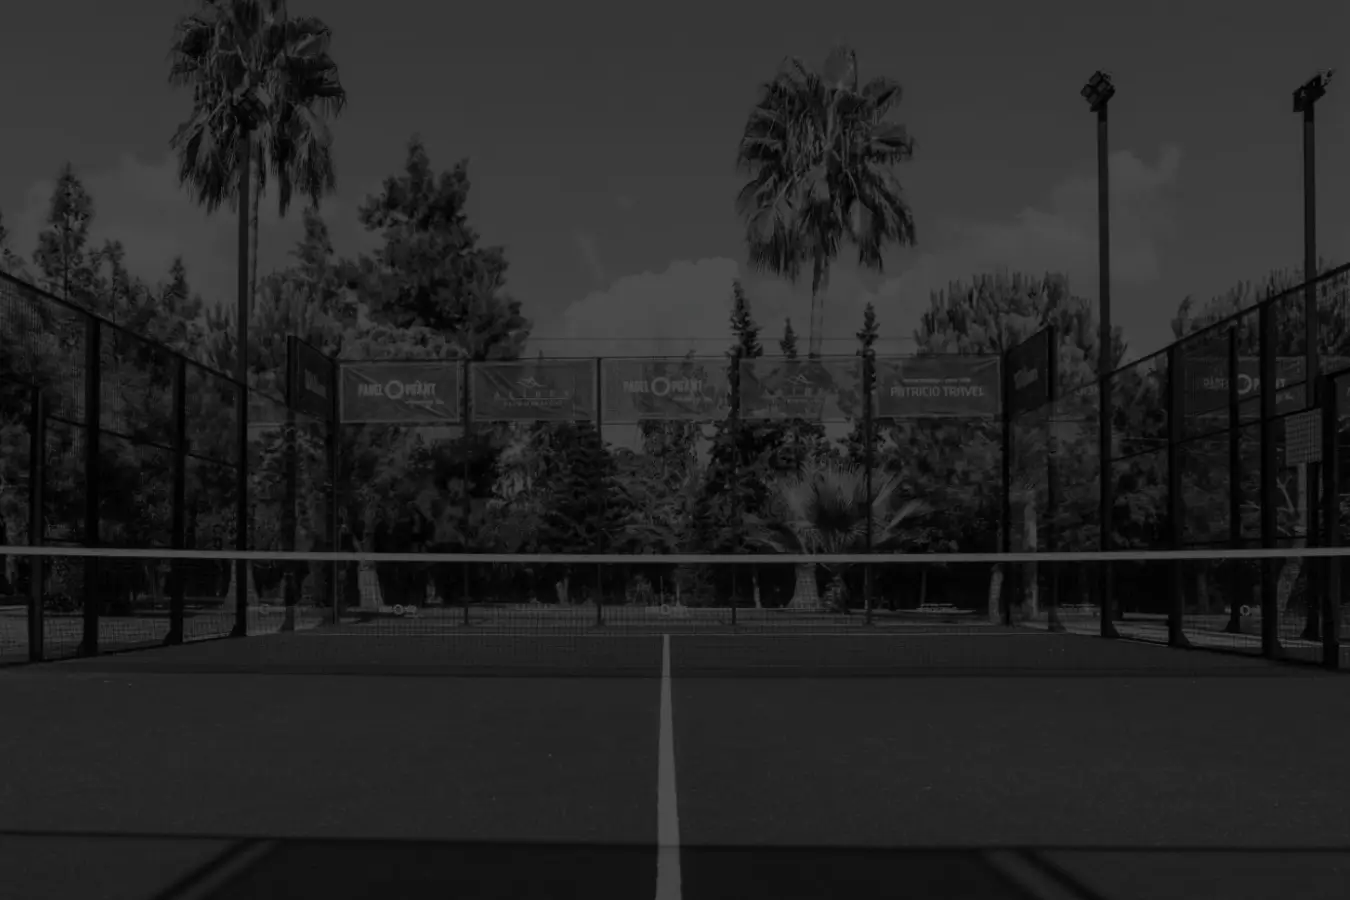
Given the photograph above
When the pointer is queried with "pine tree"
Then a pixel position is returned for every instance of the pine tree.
(431, 270)
(61, 256)
(854, 444)
(10, 262)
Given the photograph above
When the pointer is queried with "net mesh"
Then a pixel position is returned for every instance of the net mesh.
(479, 613)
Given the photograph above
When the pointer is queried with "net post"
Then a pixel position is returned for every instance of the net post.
(93, 419)
(37, 505)
(1331, 526)
(1270, 625)
(1234, 625)
(1176, 407)
(179, 513)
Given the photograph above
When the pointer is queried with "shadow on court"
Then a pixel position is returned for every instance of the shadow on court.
(298, 785)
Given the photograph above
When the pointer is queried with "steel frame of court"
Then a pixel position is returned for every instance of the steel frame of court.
(1323, 479)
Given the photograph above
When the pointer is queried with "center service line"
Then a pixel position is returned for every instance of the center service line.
(667, 817)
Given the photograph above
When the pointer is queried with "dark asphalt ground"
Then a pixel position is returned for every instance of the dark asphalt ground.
(1150, 773)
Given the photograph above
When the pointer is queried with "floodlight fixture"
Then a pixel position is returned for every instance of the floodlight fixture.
(1312, 90)
(1098, 90)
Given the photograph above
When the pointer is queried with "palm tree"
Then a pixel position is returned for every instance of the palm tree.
(263, 85)
(821, 153)
(825, 510)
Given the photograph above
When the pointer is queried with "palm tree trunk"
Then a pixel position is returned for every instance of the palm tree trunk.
(995, 589)
(253, 233)
(805, 594)
(820, 283)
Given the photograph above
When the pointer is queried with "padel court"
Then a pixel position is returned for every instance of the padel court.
(1003, 764)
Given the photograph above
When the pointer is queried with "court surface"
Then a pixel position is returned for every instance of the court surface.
(976, 766)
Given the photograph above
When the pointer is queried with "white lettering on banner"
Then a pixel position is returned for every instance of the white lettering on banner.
(416, 391)
(937, 390)
(661, 386)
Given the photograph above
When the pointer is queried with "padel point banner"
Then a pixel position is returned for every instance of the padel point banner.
(676, 389)
(1207, 382)
(559, 390)
(819, 390)
(403, 393)
(965, 387)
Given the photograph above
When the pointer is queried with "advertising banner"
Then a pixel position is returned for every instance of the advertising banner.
(558, 390)
(404, 393)
(675, 389)
(1030, 372)
(1207, 383)
(310, 380)
(921, 387)
(828, 389)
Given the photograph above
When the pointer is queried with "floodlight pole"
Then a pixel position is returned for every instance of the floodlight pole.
(1098, 92)
(1305, 102)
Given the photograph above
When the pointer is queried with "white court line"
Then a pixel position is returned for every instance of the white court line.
(528, 635)
(667, 816)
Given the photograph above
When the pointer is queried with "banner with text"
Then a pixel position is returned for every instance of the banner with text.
(828, 389)
(921, 387)
(674, 389)
(1030, 369)
(1207, 383)
(403, 393)
(309, 382)
(558, 390)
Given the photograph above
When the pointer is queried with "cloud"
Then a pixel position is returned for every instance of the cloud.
(686, 307)
(140, 203)
(590, 254)
(1061, 235)
(625, 202)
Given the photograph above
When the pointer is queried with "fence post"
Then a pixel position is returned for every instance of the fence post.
(1270, 568)
(869, 454)
(1331, 524)
(467, 369)
(1005, 493)
(178, 538)
(37, 506)
(1052, 569)
(1176, 409)
(604, 500)
(1234, 483)
(332, 447)
(93, 420)
(241, 508)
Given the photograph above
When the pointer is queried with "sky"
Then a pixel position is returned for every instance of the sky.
(601, 140)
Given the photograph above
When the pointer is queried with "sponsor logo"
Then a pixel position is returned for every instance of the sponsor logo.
(1024, 378)
(663, 386)
(533, 394)
(928, 390)
(314, 384)
(414, 393)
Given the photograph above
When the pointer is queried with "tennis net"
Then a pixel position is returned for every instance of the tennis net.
(618, 614)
